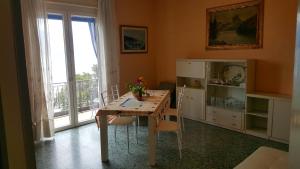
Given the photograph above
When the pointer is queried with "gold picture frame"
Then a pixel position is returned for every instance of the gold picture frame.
(237, 26)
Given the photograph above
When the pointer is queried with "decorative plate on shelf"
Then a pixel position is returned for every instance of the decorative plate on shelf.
(234, 74)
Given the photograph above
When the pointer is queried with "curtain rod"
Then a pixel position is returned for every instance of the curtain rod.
(69, 4)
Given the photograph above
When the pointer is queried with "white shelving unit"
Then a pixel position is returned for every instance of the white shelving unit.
(268, 116)
(258, 116)
(221, 93)
(227, 84)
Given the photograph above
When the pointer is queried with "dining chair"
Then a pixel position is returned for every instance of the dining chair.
(172, 126)
(117, 120)
(174, 112)
(115, 92)
(116, 95)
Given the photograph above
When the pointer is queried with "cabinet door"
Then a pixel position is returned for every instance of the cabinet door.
(281, 119)
(194, 69)
(197, 104)
(186, 104)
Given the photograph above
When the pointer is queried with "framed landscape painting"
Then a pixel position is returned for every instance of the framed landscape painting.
(235, 26)
(134, 39)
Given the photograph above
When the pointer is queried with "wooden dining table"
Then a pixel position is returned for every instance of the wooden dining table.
(151, 106)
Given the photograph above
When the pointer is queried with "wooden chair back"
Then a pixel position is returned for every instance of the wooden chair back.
(104, 98)
(115, 92)
(179, 104)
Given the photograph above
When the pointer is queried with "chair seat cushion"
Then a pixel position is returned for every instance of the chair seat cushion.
(121, 121)
(165, 125)
(265, 158)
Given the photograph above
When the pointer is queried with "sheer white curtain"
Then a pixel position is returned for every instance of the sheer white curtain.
(35, 37)
(108, 49)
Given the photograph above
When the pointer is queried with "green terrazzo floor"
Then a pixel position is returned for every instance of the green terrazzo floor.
(204, 147)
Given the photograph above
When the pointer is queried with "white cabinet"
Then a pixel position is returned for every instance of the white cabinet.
(281, 119)
(191, 73)
(190, 68)
(193, 104)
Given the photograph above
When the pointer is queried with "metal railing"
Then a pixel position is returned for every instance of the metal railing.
(86, 93)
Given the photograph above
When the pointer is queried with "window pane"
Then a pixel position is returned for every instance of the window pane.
(85, 67)
(60, 89)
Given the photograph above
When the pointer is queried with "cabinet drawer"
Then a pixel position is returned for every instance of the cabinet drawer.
(232, 119)
(224, 117)
(235, 120)
(194, 69)
(211, 118)
(211, 115)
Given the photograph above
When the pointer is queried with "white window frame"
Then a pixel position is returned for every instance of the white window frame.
(69, 10)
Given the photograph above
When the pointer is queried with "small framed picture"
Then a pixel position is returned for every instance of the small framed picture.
(134, 39)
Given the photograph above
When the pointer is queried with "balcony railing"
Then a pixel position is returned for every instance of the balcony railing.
(87, 96)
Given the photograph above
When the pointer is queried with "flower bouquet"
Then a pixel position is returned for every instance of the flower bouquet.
(138, 88)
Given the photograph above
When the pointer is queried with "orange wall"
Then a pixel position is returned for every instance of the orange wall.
(181, 29)
(139, 13)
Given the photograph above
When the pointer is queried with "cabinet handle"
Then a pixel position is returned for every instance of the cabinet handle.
(214, 119)
(189, 63)
(234, 116)
(233, 124)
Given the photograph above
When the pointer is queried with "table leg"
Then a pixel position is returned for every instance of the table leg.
(152, 140)
(103, 138)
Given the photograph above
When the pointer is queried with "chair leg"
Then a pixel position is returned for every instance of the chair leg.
(179, 144)
(127, 138)
(138, 121)
(182, 121)
(180, 132)
(92, 113)
(115, 133)
(136, 134)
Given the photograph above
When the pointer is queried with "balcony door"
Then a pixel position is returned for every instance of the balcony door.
(73, 66)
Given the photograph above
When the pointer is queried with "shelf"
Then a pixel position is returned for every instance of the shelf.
(258, 114)
(229, 86)
(258, 132)
(190, 82)
(230, 109)
(189, 87)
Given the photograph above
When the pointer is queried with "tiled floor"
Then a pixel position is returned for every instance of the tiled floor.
(204, 147)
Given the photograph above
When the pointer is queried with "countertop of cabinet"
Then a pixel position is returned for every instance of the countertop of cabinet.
(269, 95)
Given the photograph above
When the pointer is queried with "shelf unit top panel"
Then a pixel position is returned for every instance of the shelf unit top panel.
(268, 95)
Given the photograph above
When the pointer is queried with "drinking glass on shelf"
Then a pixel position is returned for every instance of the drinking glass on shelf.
(212, 101)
